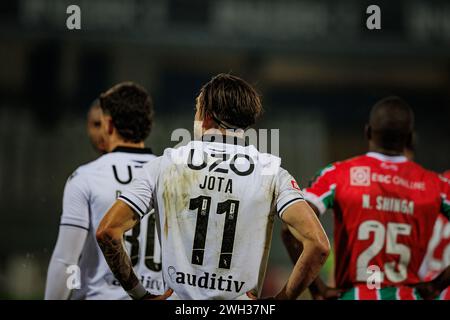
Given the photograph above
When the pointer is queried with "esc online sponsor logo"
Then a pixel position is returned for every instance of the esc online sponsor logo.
(362, 177)
(207, 280)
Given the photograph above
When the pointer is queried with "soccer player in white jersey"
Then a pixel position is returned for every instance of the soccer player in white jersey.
(126, 120)
(216, 200)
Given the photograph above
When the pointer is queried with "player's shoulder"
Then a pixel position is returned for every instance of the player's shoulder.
(419, 168)
(431, 178)
(265, 160)
(339, 167)
(154, 165)
(414, 167)
(445, 177)
(264, 156)
(175, 154)
(330, 167)
(93, 165)
(446, 174)
(87, 169)
(180, 154)
(83, 172)
(343, 164)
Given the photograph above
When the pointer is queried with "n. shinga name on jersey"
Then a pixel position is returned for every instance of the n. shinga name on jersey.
(388, 204)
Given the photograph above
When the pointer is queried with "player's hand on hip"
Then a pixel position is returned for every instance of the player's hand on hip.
(163, 296)
(327, 293)
(252, 295)
(427, 290)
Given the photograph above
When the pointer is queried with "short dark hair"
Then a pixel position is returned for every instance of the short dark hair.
(94, 104)
(230, 101)
(131, 110)
(392, 123)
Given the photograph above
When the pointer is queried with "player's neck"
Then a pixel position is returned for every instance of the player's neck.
(239, 133)
(378, 149)
(120, 143)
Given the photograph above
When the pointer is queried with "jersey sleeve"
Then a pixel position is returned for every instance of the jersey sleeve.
(321, 192)
(445, 197)
(288, 191)
(76, 202)
(139, 193)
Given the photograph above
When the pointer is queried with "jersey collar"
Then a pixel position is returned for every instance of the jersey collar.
(133, 150)
(383, 157)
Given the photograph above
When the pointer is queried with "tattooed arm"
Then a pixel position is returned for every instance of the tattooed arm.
(118, 220)
(318, 289)
(307, 230)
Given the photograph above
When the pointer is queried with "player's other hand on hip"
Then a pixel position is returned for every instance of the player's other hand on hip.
(253, 295)
(427, 290)
(325, 292)
(163, 296)
(328, 294)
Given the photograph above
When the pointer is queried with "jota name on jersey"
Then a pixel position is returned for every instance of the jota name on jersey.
(388, 204)
(217, 183)
(206, 281)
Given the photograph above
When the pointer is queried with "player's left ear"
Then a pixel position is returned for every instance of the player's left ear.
(208, 121)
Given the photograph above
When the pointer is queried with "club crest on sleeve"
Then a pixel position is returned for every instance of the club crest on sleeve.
(360, 176)
(295, 185)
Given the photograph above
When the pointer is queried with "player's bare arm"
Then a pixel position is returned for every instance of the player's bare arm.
(443, 280)
(319, 290)
(118, 220)
(432, 289)
(305, 227)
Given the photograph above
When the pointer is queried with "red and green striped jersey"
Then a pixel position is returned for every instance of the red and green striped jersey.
(362, 292)
(384, 212)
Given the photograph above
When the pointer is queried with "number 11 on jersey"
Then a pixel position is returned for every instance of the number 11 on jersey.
(203, 205)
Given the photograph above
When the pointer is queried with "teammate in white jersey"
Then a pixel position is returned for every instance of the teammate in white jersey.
(216, 200)
(126, 119)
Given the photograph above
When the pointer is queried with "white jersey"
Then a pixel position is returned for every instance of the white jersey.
(216, 204)
(89, 193)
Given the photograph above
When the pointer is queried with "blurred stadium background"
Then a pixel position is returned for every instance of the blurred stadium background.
(316, 65)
